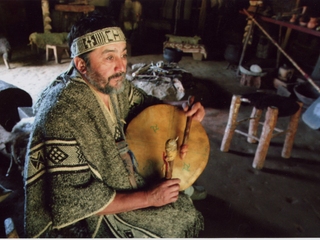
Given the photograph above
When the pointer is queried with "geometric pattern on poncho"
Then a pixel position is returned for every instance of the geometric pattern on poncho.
(81, 157)
(38, 161)
(117, 134)
(56, 155)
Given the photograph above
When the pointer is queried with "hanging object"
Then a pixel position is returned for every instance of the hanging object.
(46, 16)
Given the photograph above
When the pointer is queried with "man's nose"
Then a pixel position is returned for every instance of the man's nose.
(121, 65)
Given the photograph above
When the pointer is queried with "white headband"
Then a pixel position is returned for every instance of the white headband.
(96, 39)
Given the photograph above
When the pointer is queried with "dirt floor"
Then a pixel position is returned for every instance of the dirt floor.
(281, 200)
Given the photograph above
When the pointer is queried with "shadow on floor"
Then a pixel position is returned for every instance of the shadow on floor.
(223, 221)
(210, 94)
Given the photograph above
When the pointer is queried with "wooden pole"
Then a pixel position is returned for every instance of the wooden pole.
(284, 53)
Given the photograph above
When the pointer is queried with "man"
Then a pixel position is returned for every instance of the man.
(80, 178)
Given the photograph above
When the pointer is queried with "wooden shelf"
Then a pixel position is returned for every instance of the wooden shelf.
(291, 25)
(74, 8)
(287, 24)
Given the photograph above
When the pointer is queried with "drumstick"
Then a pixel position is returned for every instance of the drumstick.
(184, 146)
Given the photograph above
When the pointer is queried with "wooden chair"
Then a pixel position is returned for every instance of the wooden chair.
(274, 110)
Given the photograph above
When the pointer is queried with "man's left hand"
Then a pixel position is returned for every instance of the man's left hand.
(197, 111)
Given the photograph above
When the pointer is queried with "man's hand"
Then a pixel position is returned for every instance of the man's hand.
(197, 111)
(163, 193)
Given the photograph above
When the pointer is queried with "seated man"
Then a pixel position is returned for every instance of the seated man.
(79, 176)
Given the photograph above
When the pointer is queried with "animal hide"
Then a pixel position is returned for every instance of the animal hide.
(40, 40)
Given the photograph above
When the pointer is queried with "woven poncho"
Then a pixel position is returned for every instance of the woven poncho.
(73, 170)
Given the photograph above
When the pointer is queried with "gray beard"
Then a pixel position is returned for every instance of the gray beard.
(95, 78)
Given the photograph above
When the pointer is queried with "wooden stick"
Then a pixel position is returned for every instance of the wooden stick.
(254, 123)
(183, 150)
(283, 52)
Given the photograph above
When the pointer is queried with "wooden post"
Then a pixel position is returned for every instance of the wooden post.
(291, 133)
(232, 123)
(254, 124)
(265, 138)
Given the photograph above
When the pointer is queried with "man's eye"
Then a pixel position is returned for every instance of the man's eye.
(125, 55)
(109, 57)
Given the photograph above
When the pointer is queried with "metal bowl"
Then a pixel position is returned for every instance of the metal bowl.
(306, 93)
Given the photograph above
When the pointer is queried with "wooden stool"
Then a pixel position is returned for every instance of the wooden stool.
(269, 126)
(58, 51)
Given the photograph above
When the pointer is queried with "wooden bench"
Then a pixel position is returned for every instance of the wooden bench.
(198, 50)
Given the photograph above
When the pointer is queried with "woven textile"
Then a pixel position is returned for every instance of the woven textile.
(74, 167)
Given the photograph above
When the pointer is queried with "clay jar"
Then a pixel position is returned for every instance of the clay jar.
(294, 17)
(313, 22)
(303, 21)
(285, 73)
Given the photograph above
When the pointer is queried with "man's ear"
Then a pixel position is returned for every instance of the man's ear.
(80, 65)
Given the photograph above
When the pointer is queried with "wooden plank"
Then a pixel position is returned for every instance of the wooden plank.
(74, 8)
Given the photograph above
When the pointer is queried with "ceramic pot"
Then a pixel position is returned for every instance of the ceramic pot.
(293, 19)
(303, 21)
(313, 22)
(285, 73)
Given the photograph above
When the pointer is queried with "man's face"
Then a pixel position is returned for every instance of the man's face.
(107, 68)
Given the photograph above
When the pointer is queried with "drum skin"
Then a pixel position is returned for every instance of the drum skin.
(147, 134)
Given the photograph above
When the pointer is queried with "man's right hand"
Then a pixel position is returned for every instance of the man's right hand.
(164, 193)
(159, 195)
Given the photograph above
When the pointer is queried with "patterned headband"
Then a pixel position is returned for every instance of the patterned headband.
(96, 39)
